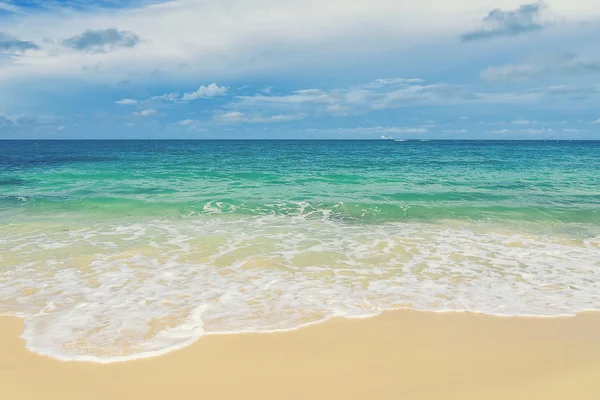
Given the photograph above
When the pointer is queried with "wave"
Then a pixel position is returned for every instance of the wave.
(111, 292)
(390, 207)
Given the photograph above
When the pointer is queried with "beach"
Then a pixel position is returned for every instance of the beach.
(400, 354)
(278, 269)
(299, 200)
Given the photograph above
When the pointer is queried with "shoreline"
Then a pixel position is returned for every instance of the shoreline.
(191, 341)
(420, 355)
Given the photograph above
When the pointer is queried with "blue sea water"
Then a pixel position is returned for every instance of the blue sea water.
(112, 250)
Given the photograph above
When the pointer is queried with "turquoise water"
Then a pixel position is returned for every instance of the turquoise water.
(112, 250)
(364, 181)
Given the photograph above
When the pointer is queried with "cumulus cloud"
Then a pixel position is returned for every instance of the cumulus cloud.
(126, 101)
(145, 113)
(381, 94)
(10, 44)
(211, 90)
(101, 40)
(564, 64)
(497, 23)
(370, 97)
(203, 92)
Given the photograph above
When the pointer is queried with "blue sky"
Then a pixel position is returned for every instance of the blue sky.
(347, 69)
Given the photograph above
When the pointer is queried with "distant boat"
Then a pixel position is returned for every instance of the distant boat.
(399, 140)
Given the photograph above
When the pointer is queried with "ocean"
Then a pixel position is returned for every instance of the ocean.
(117, 250)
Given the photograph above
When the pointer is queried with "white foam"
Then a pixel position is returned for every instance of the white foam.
(121, 292)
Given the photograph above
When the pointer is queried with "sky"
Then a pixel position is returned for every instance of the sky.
(299, 69)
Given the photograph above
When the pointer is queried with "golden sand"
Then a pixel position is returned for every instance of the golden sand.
(398, 355)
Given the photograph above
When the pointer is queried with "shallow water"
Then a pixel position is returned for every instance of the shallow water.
(113, 250)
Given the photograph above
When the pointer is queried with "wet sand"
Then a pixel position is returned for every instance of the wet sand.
(398, 355)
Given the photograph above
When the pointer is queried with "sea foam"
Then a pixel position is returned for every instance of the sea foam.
(114, 292)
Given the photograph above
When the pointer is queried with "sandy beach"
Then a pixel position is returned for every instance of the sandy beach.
(401, 354)
(216, 200)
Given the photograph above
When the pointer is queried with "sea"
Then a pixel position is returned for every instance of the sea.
(117, 250)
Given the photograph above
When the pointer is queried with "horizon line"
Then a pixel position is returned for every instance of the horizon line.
(297, 139)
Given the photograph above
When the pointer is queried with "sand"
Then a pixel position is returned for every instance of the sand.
(398, 355)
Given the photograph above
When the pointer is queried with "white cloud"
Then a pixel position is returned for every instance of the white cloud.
(167, 97)
(126, 101)
(535, 67)
(245, 36)
(211, 90)
(378, 83)
(510, 72)
(145, 113)
(455, 131)
(532, 131)
(596, 121)
(239, 117)
(521, 122)
(191, 125)
(9, 8)
(399, 93)
(203, 92)
(383, 130)
(406, 130)
(232, 116)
